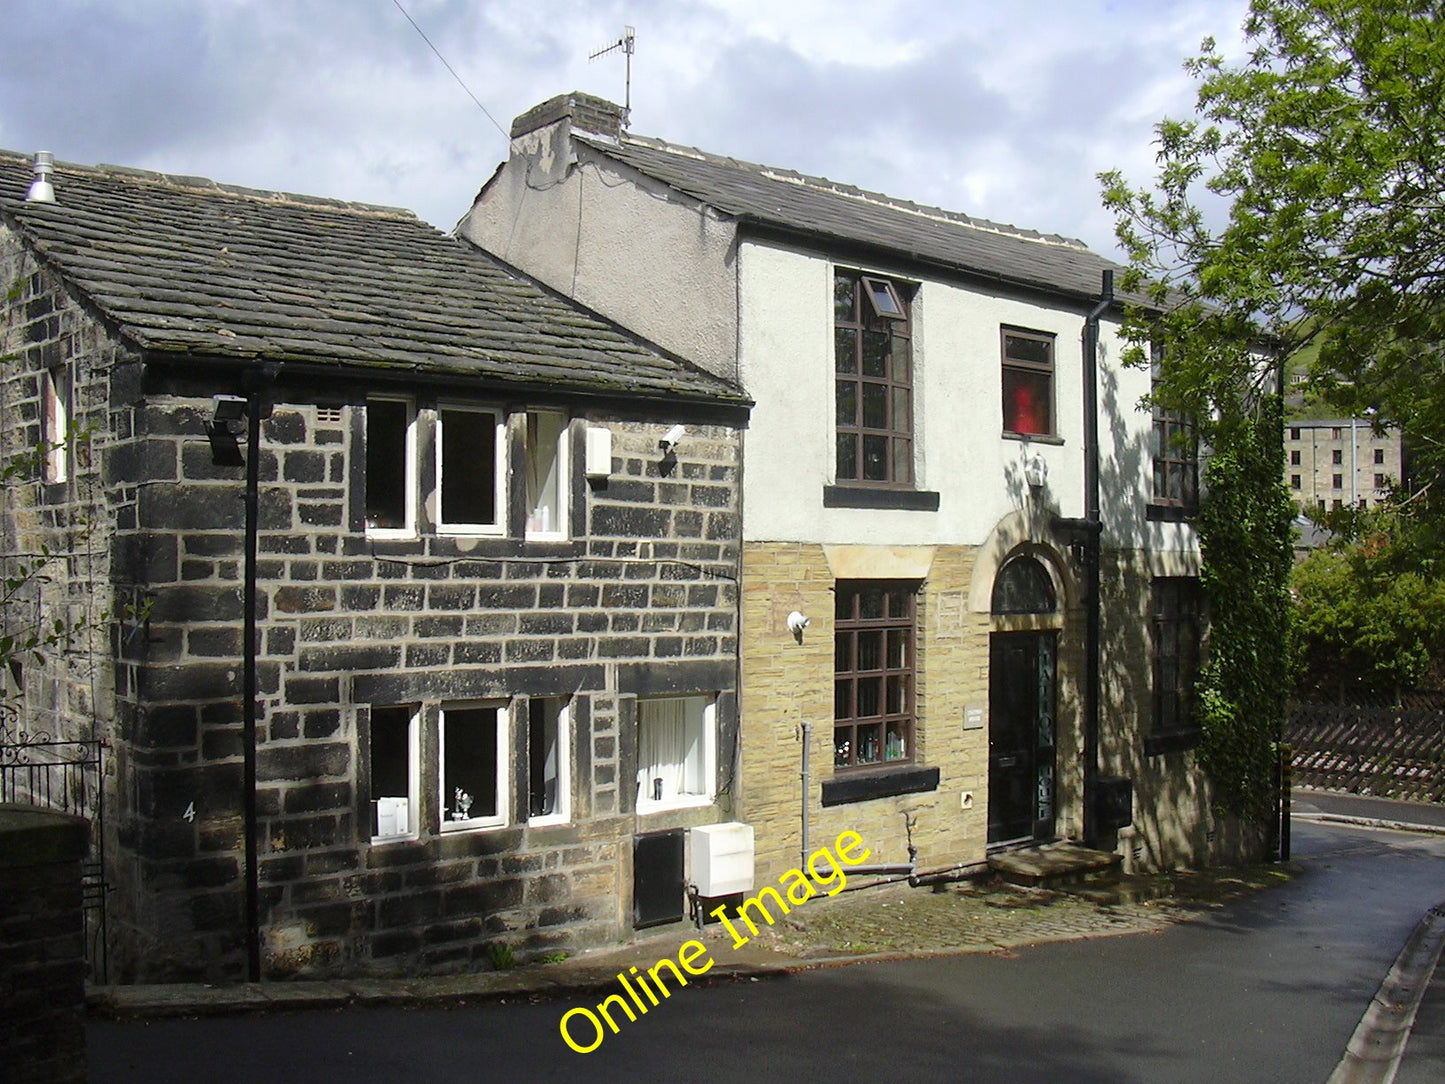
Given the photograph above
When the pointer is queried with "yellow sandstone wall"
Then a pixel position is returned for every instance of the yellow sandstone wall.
(786, 683)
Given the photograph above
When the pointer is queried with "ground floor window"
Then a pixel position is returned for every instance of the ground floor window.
(1177, 629)
(676, 752)
(393, 734)
(472, 745)
(548, 767)
(873, 673)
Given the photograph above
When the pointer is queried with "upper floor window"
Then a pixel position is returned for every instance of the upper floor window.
(1379, 456)
(1028, 382)
(1294, 458)
(873, 388)
(55, 391)
(1176, 454)
(873, 673)
(390, 480)
(469, 449)
(546, 474)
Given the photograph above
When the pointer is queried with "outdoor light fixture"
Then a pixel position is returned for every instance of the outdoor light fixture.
(41, 190)
(1036, 472)
(224, 428)
(671, 438)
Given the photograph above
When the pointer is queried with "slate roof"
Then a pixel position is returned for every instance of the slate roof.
(820, 209)
(186, 266)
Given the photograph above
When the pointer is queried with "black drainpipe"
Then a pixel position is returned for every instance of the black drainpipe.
(1093, 530)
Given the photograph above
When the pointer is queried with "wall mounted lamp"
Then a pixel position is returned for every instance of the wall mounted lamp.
(672, 437)
(224, 429)
(1036, 472)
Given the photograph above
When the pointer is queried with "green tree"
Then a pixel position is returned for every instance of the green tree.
(1298, 210)
(1366, 618)
(1304, 201)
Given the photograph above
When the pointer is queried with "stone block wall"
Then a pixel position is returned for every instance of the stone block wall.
(42, 946)
(641, 600)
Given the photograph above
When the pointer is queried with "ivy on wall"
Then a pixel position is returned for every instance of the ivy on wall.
(1244, 525)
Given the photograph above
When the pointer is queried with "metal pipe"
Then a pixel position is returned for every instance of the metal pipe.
(248, 687)
(807, 749)
(1092, 557)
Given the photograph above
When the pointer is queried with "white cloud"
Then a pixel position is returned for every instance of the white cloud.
(1006, 112)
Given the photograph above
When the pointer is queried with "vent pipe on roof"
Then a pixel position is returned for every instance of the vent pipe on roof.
(41, 190)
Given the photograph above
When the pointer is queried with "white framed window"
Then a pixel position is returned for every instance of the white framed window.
(546, 474)
(55, 391)
(676, 752)
(549, 767)
(390, 474)
(472, 749)
(470, 448)
(394, 734)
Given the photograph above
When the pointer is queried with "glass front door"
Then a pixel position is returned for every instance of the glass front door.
(1021, 737)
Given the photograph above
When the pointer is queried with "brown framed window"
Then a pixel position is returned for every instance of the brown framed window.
(1176, 608)
(873, 387)
(1294, 481)
(875, 637)
(1379, 456)
(1176, 453)
(1337, 457)
(1028, 382)
(1294, 458)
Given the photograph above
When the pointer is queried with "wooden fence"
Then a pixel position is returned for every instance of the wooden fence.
(1386, 752)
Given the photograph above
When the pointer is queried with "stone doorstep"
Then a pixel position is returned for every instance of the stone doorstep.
(1054, 864)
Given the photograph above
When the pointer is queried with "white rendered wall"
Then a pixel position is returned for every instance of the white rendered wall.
(786, 362)
(657, 263)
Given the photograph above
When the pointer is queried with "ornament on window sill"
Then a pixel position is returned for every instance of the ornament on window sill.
(463, 802)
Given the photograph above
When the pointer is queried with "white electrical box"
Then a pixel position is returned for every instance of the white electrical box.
(393, 817)
(599, 452)
(722, 858)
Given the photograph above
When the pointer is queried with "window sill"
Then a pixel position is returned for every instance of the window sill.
(646, 806)
(476, 824)
(1169, 513)
(1170, 741)
(384, 841)
(550, 820)
(908, 500)
(865, 785)
(1038, 438)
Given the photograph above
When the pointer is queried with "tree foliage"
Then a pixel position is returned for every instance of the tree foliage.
(1369, 615)
(1299, 210)
(1326, 150)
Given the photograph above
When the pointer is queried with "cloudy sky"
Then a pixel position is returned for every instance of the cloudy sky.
(1002, 110)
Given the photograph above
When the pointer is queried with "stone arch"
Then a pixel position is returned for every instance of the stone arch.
(1021, 534)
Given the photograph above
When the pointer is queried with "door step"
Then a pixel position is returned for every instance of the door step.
(1055, 864)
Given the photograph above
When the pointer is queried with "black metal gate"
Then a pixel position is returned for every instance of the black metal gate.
(36, 769)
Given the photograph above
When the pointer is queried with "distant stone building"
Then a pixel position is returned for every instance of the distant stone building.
(1340, 463)
(497, 579)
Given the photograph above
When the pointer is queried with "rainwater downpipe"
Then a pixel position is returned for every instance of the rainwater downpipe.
(807, 745)
(1092, 555)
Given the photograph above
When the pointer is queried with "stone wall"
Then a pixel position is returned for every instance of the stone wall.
(787, 682)
(641, 601)
(42, 945)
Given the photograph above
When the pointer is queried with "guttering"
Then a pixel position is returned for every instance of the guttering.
(1093, 530)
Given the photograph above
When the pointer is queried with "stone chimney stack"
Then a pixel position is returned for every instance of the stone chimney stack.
(585, 113)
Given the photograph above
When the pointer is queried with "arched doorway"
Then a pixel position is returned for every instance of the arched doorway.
(1023, 698)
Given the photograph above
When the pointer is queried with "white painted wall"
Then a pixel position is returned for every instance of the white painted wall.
(657, 263)
(786, 363)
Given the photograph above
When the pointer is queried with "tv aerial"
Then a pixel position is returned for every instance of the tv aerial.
(627, 44)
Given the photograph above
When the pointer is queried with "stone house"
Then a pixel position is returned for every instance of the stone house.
(496, 578)
(916, 657)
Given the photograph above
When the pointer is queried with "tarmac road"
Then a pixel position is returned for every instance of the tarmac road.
(1268, 988)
